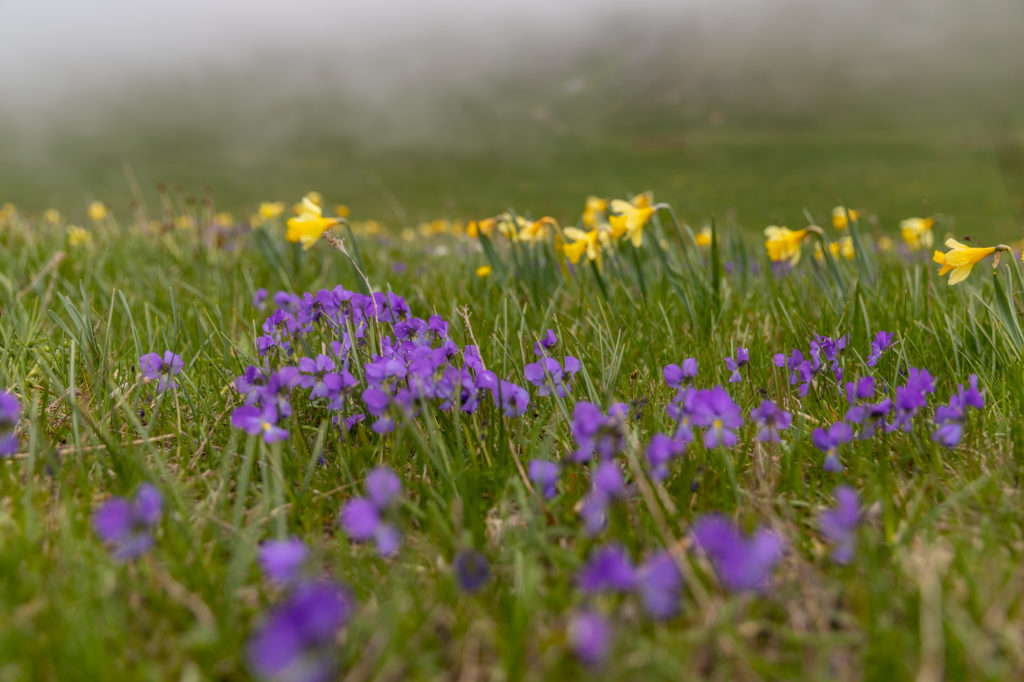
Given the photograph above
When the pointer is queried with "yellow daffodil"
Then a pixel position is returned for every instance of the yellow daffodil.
(97, 211)
(884, 243)
(224, 219)
(593, 211)
(783, 244)
(582, 242)
(308, 226)
(841, 247)
(917, 232)
(341, 210)
(78, 236)
(629, 219)
(484, 271)
(839, 217)
(52, 216)
(960, 259)
(512, 227)
(271, 209)
(314, 197)
(643, 200)
(538, 229)
(703, 238)
(484, 227)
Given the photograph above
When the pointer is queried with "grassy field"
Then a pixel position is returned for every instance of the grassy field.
(932, 589)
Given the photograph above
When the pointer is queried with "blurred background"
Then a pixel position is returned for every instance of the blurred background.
(747, 110)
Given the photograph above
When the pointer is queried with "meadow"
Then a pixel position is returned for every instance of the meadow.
(618, 445)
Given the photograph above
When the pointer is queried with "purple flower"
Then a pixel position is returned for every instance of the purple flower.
(472, 571)
(361, 517)
(281, 560)
(741, 563)
(881, 341)
(551, 377)
(10, 412)
(295, 641)
(258, 421)
(593, 509)
(951, 418)
(161, 368)
(675, 376)
(609, 569)
(595, 432)
(659, 583)
(715, 410)
(869, 416)
(607, 479)
(770, 419)
(839, 525)
(544, 475)
(546, 343)
(126, 525)
(910, 398)
(829, 442)
(742, 358)
(589, 637)
(660, 451)
(259, 299)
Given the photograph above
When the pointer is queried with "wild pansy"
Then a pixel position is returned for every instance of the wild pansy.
(659, 584)
(839, 524)
(741, 563)
(472, 571)
(681, 410)
(881, 342)
(296, 641)
(609, 569)
(259, 299)
(595, 432)
(551, 376)
(734, 365)
(770, 419)
(361, 517)
(863, 413)
(544, 475)
(126, 525)
(714, 409)
(950, 418)
(910, 398)
(161, 368)
(829, 440)
(282, 560)
(676, 375)
(660, 451)
(589, 636)
(259, 421)
(799, 369)
(10, 412)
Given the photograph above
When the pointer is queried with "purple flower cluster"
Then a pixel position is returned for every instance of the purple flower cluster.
(742, 563)
(10, 412)
(417, 364)
(770, 420)
(126, 525)
(548, 374)
(950, 418)
(361, 517)
(910, 398)
(824, 354)
(864, 414)
(879, 344)
(162, 369)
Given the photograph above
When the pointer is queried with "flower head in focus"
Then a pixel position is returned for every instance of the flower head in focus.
(161, 368)
(960, 259)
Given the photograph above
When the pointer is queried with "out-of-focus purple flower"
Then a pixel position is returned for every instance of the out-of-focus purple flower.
(741, 563)
(951, 418)
(675, 375)
(770, 419)
(734, 365)
(881, 342)
(161, 368)
(259, 299)
(839, 524)
(295, 641)
(512, 398)
(126, 525)
(361, 517)
(544, 475)
(659, 583)
(660, 451)
(828, 441)
(472, 571)
(258, 421)
(546, 343)
(398, 267)
(593, 509)
(868, 416)
(715, 410)
(281, 560)
(609, 569)
(595, 432)
(607, 478)
(589, 637)
(10, 413)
